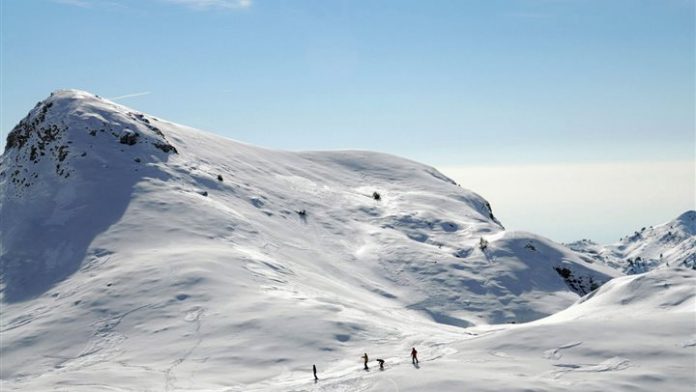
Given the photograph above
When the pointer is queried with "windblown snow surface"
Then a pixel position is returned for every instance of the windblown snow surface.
(141, 255)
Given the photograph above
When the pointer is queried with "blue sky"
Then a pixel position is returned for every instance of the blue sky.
(451, 83)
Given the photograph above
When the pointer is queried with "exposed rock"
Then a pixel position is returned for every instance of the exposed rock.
(129, 138)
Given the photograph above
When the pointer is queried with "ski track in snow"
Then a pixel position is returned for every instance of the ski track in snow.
(611, 364)
(102, 346)
(193, 316)
(556, 353)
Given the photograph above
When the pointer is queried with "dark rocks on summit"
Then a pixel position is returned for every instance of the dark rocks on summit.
(129, 138)
(70, 124)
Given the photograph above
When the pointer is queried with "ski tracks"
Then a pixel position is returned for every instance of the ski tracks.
(193, 316)
(611, 364)
(556, 353)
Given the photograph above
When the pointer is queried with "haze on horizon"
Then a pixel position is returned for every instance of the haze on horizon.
(575, 119)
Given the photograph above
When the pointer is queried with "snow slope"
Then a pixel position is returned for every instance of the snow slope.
(636, 333)
(138, 254)
(671, 244)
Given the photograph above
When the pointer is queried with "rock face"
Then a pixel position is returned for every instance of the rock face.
(118, 227)
(671, 244)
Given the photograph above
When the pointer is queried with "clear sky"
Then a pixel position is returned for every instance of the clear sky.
(489, 90)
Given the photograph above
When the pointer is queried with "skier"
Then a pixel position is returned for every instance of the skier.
(365, 358)
(381, 364)
(414, 356)
(314, 369)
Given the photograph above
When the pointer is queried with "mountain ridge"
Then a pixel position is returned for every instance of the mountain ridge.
(670, 244)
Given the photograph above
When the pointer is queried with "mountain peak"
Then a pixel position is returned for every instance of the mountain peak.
(73, 128)
(69, 109)
(71, 93)
(688, 219)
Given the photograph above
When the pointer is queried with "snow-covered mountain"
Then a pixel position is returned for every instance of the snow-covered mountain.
(671, 244)
(138, 254)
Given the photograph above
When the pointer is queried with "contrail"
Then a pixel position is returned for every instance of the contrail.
(131, 95)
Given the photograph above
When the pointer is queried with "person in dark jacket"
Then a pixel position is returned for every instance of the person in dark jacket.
(314, 369)
(366, 359)
(381, 363)
(414, 356)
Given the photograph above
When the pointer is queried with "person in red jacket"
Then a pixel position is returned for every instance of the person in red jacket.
(414, 356)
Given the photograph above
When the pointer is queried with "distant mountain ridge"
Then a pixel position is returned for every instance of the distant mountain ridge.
(671, 244)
